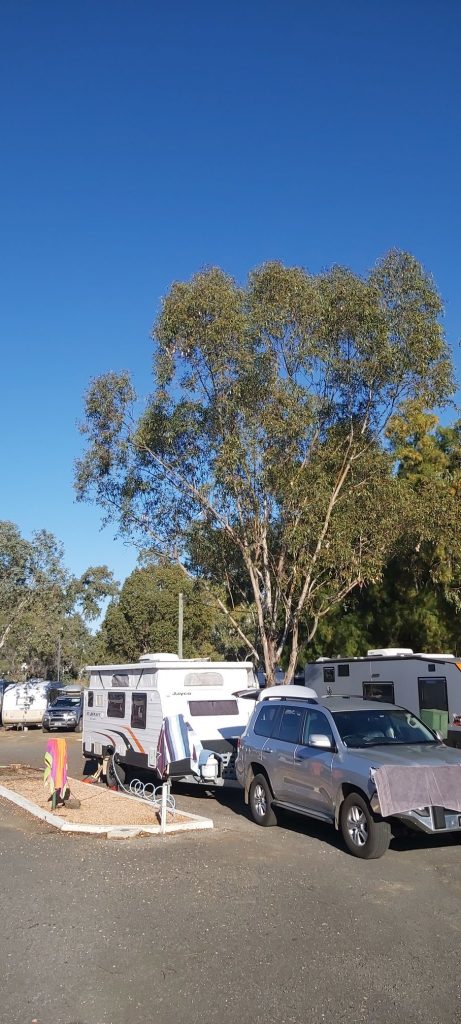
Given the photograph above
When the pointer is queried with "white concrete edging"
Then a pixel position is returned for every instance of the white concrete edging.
(111, 831)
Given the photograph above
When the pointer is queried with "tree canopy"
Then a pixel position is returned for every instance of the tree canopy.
(44, 607)
(143, 618)
(261, 460)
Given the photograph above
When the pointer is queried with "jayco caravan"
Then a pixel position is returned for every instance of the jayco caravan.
(429, 685)
(178, 718)
(26, 703)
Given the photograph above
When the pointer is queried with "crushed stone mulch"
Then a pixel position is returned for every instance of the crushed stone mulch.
(98, 805)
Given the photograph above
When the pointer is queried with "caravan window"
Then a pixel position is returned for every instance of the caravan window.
(90, 698)
(433, 694)
(328, 675)
(122, 679)
(379, 691)
(116, 705)
(205, 678)
(138, 710)
(209, 708)
(343, 670)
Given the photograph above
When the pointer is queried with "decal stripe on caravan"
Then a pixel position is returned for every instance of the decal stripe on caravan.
(135, 738)
(125, 739)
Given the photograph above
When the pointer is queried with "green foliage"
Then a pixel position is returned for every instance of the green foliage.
(429, 466)
(42, 605)
(418, 600)
(261, 459)
(144, 618)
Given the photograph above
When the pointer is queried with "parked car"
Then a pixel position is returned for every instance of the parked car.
(320, 756)
(66, 712)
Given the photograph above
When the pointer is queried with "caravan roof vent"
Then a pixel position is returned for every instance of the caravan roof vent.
(159, 657)
(389, 652)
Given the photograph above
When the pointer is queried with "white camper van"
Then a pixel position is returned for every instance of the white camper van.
(26, 703)
(180, 719)
(429, 685)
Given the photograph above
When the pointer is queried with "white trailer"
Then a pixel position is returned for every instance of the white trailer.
(137, 712)
(26, 703)
(423, 683)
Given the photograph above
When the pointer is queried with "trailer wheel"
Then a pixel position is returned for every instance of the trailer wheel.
(114, 780)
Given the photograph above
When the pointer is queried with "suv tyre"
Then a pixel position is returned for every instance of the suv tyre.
(363, 835)
(260, 799)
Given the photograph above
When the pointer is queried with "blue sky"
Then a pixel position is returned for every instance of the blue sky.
(143, 140)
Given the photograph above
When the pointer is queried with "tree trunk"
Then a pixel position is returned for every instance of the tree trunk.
(270, 659)
(11, 623)
(293, 654)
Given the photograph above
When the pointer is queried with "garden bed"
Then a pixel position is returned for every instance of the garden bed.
(101, 810)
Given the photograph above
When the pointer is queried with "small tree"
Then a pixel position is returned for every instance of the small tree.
(144, 617)
(41, 601)
(260, 458)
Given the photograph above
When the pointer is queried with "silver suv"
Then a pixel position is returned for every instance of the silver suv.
(318, 755)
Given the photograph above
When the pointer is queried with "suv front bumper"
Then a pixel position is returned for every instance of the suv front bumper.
(431, 820)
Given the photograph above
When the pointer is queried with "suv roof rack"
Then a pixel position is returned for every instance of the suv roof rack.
(289, 692)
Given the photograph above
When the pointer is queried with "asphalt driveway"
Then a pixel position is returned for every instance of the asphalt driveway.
(259, 925)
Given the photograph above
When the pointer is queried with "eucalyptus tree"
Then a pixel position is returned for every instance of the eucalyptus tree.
(260, 459)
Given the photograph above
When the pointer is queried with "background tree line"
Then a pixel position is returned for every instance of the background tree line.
(46, 611)
(415, 603)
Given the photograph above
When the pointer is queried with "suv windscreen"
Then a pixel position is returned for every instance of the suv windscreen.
(66, 702)
(374, 728)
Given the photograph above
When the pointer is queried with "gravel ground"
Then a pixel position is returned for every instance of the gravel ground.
(98, 805)
(269, 926)
(266, 926)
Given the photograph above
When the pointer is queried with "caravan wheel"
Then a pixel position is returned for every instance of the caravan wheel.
(113, 779)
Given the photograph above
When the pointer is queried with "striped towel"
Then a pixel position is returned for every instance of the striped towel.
(55, 775)
(177, 742)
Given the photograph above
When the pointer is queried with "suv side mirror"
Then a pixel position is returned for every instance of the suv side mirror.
(321, 741)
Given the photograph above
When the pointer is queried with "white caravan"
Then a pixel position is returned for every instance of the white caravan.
(180, 719)
(26, 703)
(429, 685)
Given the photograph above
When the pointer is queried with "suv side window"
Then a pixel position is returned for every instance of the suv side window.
(316, 724)
(290, 725)
(266, 719)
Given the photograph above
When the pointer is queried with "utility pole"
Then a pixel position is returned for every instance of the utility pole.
(180, 623)
(59, 655)
(59, 658)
